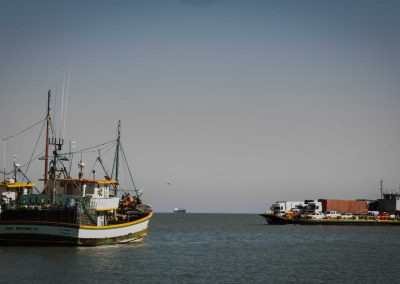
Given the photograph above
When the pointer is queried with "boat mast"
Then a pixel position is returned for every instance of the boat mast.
(15, 168)
(46, 157)
(117, 157)
(4, 159)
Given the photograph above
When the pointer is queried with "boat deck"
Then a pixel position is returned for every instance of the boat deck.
(274, 219)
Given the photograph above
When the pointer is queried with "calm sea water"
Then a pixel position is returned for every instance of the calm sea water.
(218, 248)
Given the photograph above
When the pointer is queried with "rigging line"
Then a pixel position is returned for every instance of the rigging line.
(4, 158)
(134, 186)
(115, 186)
(125, 175)
(68, 176)
(52, 128)
(34, 186)
(34, 158)
(108, 148)
(123, 179)
(92, 147)
(22, 131)
(34, 149)
(95, 162)
(104, 150)
(103, 166)
(113, 166)
(91, 171)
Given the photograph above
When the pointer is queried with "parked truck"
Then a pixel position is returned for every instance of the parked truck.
(285, 206)
(313, 206)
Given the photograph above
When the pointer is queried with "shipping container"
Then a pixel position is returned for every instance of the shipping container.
(344, 206)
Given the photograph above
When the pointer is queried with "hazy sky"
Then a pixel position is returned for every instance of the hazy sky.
(236, 104)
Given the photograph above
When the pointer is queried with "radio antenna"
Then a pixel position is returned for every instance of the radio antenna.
(66, 103)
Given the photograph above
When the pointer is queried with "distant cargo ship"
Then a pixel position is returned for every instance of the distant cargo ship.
(384, 211)
(179, 210)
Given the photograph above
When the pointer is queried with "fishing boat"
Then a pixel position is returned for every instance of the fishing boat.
(74, 211)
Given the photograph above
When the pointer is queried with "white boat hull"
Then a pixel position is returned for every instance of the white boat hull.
(38, 232)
